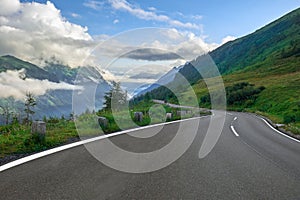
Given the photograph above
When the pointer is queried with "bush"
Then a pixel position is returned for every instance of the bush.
(288, 118)
(35, 139)
(53, 120)
(242, 94)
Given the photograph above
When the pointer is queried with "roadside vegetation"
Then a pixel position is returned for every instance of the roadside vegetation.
(16, 137)
(260, 71)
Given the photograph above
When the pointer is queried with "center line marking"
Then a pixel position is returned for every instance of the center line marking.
(233, 130)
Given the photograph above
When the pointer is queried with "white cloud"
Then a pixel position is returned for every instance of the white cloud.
(107, 75)
(228, 38)
(197, 17)
(152, 8)
(96, 5)
(13, 85)
(151, 45)
(185, 44)
(150, 15)
(116, 21)
(37, 32)
(9, 6)
(75, 15)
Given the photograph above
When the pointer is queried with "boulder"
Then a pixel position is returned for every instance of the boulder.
(138, 116)
(103, 122)
(168, 116)
(38, 127)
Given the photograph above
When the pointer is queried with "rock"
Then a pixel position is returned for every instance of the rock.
(138, 116)
(181, 112)
(38, 127)
(168, 116)
(103, 122)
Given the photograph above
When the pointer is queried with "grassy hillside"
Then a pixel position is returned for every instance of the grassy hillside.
(269, 58)
(272, 43)
(279, 39)
(280, 100)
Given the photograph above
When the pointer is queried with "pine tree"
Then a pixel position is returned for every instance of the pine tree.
(30, 102)
(6, 113)
(115, 98)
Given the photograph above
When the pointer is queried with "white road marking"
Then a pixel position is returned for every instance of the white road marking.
(75, 144)
(234, 131)
(229, 113)
(283, 134)
(235, 118)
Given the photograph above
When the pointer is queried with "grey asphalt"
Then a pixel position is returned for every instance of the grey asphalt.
(259, 164)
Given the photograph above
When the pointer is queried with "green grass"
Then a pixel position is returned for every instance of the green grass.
(279, 101)
(17, 139)
(152, 114)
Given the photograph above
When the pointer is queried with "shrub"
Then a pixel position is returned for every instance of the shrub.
(242, 93)
(288, 118)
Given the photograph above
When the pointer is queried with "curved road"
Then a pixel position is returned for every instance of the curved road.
(249, 161)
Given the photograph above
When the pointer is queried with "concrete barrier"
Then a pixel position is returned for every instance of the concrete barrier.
(181, 112)
(38, 127)
(138, 116)
(103, 122)
(168, 116)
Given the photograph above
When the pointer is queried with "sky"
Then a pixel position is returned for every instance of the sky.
(124, 37)
(216, 19)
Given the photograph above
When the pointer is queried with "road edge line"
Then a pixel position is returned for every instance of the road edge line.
(82, 142)
(281, 133)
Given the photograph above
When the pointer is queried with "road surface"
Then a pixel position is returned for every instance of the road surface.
(251, 162)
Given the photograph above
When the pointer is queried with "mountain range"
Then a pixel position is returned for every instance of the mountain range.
(53, 84)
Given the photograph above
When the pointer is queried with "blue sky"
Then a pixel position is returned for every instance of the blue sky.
(112, 35)
(217, 17)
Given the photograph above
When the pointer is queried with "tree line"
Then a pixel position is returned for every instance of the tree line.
(11, 114)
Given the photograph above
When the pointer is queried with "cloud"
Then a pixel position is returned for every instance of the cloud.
(185, 44)
(228, 38)
(107, 75)
(197, 17)
(151, 54)
(36, 32)
(14, 86)
(152, 8)
(9, 7)
(75, 15)
(116, 21)
(168, 44)
(146, 75)
(96, 5)
(123, 5)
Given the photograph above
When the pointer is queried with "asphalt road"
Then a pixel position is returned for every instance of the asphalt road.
(257, 164)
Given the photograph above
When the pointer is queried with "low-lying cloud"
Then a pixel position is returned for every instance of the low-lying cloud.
(12, 84)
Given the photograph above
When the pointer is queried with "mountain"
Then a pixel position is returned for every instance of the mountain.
(267, 58)
(273, 43)
(54, 84)
(164, 80)
(9, 62)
